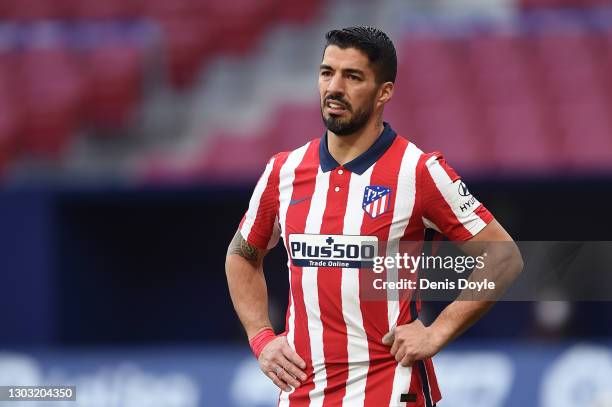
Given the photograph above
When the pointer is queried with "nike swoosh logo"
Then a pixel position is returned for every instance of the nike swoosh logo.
(297, 201)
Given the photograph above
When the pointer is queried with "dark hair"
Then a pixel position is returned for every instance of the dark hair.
(371, 41)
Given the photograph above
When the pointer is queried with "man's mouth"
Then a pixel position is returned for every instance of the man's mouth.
(335, 107)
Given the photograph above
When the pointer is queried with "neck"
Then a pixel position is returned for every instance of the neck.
(344, 149)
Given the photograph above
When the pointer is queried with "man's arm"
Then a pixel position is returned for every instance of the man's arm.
(503, 264)
(247, 286)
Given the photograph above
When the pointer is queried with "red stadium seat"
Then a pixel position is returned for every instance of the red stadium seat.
(430, 70)
(53, 96)
(11, 106)
(521, 139)
(37, 9)
(253, 16)
(251, 152)
(189, 43)
(501, 69)
(297, 11)
(162, 9)
(115, 79)
(109, 9)
(295, 125)
(572, 45)
(421, 55)
(451, 128)
(567, 65)
(498, 51)
(574, 85)
(11, 119)
(604, 53)
(586, 135)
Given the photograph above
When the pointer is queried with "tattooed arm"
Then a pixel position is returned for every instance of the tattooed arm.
(247, 284)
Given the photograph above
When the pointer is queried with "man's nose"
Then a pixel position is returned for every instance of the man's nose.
(336, 85)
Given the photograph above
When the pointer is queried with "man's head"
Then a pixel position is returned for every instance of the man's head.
(356, 77)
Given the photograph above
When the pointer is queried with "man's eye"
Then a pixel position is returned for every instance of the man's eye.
(325, 73)
(354, 77)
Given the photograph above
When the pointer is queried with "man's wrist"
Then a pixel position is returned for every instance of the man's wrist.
(438, 336)
(253, 333)
(260, 340)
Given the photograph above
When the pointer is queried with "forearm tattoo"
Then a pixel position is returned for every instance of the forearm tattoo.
(242, 248)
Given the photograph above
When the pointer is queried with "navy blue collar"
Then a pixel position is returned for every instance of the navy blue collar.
(360, 164)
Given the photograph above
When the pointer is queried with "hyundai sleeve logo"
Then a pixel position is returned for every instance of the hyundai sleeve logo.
(463, 189)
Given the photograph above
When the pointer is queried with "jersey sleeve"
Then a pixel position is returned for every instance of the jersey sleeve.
(259, 225)
(447, 204)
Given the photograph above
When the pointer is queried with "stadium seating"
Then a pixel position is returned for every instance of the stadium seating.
(295, 126)
(53, 94)
(115, 76)
(482, 94)
(10, 116)
(83, 79)
(511, 102)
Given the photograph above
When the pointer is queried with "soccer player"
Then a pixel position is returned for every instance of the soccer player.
(360, 181)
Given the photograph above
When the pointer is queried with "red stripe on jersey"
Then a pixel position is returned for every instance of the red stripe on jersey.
(268, 207)
(379, 382)
(329, 286)
(416, 387)
(433, 381)
(305, 171)
(484, 214)
(416, 384)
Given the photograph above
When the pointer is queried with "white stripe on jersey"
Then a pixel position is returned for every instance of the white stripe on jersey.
(357, 341)
(449, 190)
(276, 231)
(383, 203)
(251, 213)
(430, 225)
(311, 293)
(286, 178)
(404, 205)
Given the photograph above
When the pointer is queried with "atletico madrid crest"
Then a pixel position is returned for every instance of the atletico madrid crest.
(376, 200)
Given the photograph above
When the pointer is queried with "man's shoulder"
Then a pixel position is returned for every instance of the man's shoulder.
(411, 147)
(425, 158)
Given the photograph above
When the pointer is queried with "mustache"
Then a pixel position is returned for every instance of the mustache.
(338, 99)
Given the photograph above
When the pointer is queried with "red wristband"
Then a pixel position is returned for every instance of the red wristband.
(259, 341)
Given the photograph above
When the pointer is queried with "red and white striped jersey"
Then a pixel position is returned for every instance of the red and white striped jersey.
(391, 193)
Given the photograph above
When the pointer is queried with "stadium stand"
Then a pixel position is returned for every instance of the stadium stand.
(81, 69)
(518, 101)
(496, 96)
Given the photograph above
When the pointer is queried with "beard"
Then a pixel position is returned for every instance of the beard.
(346, 126)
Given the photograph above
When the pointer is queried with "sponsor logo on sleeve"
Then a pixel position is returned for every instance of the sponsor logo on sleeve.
(465, 205)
